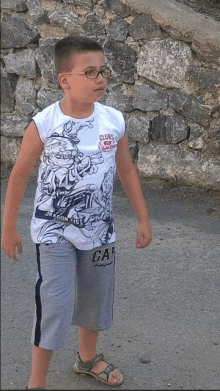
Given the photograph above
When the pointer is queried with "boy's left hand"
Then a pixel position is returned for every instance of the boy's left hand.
(144, 235)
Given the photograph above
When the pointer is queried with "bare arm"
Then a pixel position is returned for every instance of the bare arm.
(30, 150)
(130, 180)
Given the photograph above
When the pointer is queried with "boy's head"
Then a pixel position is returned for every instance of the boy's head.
(80, 67)
(66, 47)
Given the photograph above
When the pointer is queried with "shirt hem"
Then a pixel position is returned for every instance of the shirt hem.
(88, 247)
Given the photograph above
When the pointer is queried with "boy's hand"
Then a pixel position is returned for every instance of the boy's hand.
(10, 242)
(144, 235)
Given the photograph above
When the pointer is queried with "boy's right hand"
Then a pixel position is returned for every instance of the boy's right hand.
(10, 242)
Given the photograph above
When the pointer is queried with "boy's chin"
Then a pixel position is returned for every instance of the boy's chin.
(99, 99)
(100, 96)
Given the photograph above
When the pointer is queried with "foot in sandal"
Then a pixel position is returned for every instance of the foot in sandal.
(99, 368)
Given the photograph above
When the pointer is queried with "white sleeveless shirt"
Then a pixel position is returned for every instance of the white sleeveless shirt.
(73, 200)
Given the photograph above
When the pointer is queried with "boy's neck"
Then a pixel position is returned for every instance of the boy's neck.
(76, 109)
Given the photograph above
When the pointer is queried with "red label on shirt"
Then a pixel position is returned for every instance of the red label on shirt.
(106, 142)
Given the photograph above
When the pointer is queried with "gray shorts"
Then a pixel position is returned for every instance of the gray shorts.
(72, 283)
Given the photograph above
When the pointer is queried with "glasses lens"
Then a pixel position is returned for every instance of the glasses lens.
(105, 72)
(92, 74)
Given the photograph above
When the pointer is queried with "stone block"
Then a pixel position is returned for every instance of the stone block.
(204, 77)
(9, 150)
(169, 162)
(207, 47)
(138, 127)
(93, 27)
(14, 5)
(148, 98)
(133, 149)
(190, 107)
(67, 19)
(118, 100)
(13, 78)
(13, 125)
(214, 132)
(25, 96)
(158, 128)
(177, 129)
(216, 137)
(117, 6)
(82, 3)
(121, 60)
(46, 97)
(99, 11)
(45, 58)
(195, 138)
(22, 63)
(48, 31)
(143, 27)
(164, 62)
(37, 14)
(7, 95)
(118, 29)
(16, 32)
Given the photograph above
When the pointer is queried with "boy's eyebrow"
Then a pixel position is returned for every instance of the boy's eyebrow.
(93, 67)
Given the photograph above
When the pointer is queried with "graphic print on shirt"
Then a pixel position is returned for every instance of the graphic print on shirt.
(60, 203)
(106, 142)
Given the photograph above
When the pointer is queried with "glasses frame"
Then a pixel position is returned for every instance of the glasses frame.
(98, 73)
(93, 78)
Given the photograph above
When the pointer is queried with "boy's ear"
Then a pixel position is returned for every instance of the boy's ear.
(63, 81)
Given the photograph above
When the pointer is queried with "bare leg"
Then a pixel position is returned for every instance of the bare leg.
(40, 362)
(87, 350)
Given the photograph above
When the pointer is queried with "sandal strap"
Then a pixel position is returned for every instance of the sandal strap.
(109, 369)
(105, 374)
(87, 365)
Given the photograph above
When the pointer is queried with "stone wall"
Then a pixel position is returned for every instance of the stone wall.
(165, 78)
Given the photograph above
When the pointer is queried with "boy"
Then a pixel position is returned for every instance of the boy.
(79, 141)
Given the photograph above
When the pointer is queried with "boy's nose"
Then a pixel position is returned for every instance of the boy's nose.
(100, 80)
(100, 77)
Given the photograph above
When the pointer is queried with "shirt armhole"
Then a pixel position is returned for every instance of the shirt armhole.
(37, 130)
(123, 128)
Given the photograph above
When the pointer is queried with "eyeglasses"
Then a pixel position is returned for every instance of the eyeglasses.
(94, 74)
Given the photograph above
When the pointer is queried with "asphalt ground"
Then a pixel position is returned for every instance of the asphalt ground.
(166, 330)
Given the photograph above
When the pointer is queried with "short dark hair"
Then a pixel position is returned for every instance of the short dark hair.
(72, 44)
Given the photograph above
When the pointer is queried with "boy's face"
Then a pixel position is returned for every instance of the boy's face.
(81, 88)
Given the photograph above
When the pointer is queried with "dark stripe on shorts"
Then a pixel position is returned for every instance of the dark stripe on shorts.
(38, 301)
